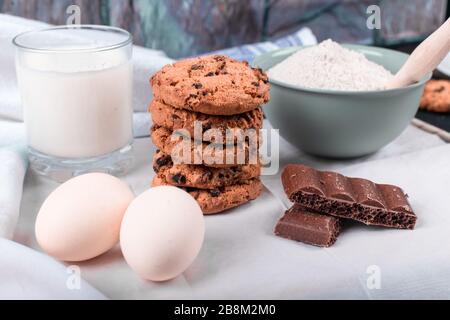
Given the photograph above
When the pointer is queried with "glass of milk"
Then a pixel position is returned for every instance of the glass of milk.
(76, 89)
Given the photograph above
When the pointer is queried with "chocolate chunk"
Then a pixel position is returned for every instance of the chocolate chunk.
(351, 198)
(214, 193)
(197, 85)
(179, 178)
(164, 161)
(196, 67)
(256, 84)
(302, 225)
(161, 161)
(440, 89)
(210, 74)
(235, 170)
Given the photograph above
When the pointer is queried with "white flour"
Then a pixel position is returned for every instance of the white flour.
(331, 66)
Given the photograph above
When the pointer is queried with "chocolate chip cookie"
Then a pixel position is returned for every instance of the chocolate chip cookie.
(176, 119)
(183, 150)
(221, 199)
(214, 85)
(436, 96)
(202, 177)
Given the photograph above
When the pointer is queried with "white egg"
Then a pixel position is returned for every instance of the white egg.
(162, 233)
(81, 218)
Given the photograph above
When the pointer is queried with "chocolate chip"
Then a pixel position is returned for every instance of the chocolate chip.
(219, 58)
(156, 169)
(440, 89)
(174, 83)
(214, 193)
(197, 85)
(163, 161)
(256, 84)
(193, 96)
(179, 178)
(196, 67)
(210, 74)
(235, 169)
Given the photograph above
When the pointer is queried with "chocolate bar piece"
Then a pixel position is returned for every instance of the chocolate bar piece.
(305, 226)
(352, 198)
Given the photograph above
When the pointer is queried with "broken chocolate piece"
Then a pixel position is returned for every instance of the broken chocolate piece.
(302, 225)
(352, 198)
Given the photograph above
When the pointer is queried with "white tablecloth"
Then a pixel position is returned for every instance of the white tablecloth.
(241, 258)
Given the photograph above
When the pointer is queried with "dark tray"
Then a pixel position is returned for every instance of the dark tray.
(440, 120)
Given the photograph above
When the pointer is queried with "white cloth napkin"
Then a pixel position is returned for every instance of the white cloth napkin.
(12, 172)
(28, 274)
(13, 165)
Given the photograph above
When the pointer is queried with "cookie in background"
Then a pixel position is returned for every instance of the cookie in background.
(436, 96)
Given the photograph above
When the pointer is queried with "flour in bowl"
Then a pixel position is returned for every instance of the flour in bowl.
(333, 67)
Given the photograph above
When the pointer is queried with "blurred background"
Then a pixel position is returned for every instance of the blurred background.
(183, 28)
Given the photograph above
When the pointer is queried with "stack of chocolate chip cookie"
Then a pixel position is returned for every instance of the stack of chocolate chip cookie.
(197, 104)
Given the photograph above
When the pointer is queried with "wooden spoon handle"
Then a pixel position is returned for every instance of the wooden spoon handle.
(424, 59)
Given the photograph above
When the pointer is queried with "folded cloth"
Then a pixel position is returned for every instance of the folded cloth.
(303, 37)
(10, 107)
(12, 172)
(28, 274)
(13, 164)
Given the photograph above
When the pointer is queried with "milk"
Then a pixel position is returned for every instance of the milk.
(76, 105)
